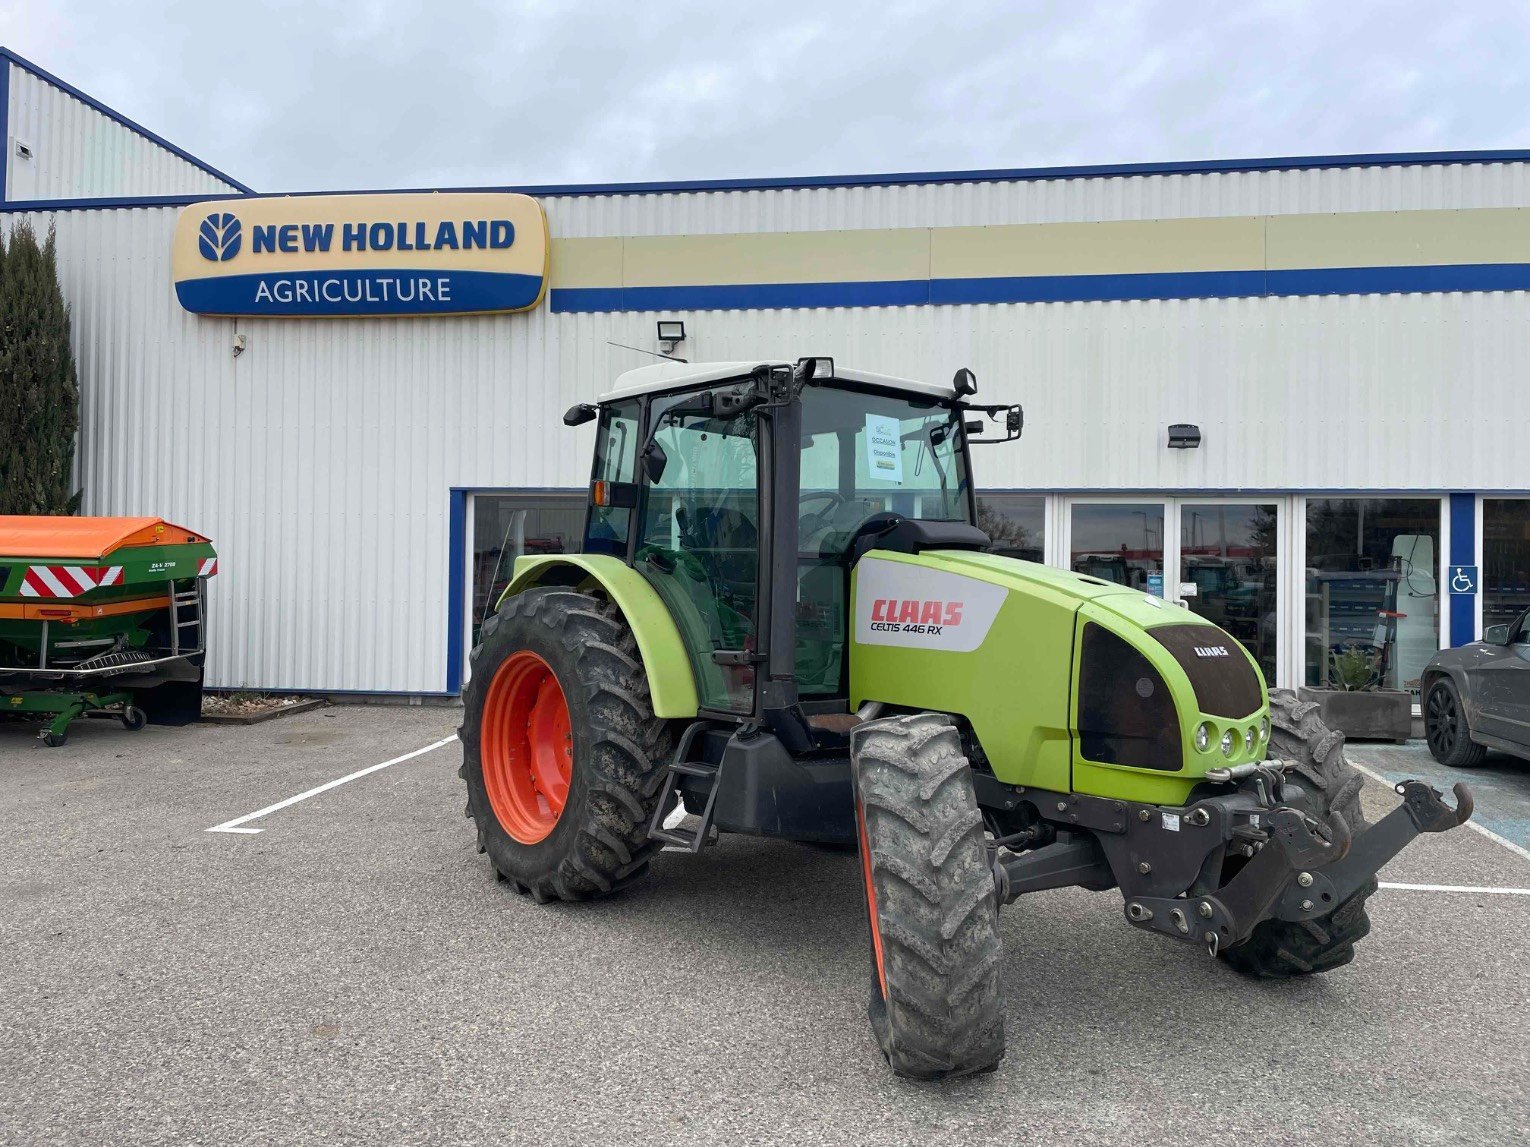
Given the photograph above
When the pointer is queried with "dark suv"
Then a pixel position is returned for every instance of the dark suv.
(1477, 697)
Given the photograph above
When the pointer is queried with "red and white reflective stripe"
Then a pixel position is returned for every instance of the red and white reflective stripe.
(208, 567)
(67, 581)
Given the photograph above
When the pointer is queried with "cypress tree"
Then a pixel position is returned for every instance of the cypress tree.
(39, 394)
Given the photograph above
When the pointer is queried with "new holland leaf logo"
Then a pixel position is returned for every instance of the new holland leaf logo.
(219, 237)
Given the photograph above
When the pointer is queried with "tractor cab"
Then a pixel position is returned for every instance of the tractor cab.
(743, 493)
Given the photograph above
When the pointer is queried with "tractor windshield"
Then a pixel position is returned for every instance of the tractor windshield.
(863, 453)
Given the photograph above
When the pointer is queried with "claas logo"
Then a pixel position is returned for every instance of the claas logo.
(911, 615)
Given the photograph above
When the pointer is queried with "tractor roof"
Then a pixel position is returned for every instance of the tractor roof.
(681, 375)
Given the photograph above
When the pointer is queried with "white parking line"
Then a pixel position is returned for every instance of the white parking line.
(1487, 832)
(1456, 888)
(234, 825)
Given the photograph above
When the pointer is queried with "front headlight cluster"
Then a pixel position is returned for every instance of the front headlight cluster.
(1250, 738)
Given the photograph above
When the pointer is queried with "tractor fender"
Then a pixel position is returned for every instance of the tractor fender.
(665, 660)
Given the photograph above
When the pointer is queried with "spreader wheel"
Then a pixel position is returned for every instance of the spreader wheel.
(134, 718)
(935, 1005)
(561, 751)
(54, 740)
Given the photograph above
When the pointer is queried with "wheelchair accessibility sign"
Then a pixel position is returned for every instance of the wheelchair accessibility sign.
(1463, 579)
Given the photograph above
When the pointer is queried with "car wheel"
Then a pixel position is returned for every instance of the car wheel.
(1446, 727)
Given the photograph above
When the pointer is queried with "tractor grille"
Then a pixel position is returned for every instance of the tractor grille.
(1225, 681)
(1125, 713)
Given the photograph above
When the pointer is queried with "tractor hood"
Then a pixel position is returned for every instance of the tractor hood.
(1076, 680)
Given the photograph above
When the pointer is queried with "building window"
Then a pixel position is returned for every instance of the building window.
(1505, 559)
(508, 526)
(1016, 523)
(1373, 606)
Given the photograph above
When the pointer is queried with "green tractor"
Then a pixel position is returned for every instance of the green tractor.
(784, 622)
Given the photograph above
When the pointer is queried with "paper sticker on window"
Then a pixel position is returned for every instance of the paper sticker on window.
(884, 448)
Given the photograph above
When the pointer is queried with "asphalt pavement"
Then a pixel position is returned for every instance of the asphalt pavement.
(352, 973)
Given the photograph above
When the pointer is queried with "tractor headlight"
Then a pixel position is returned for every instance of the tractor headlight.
(1203, 736)
(1228, 744)
(1264, 728)
(1249, 738)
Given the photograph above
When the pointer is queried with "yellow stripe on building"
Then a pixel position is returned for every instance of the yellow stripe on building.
(1238, 243)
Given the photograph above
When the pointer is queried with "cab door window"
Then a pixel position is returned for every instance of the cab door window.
(699, 542)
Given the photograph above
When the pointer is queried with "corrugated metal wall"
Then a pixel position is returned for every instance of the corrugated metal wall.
(322, 458)
(77, 152)
(1202, 195)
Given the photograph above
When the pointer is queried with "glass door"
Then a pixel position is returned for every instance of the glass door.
(1228, 563)
(1219, 558)
(1119, 540)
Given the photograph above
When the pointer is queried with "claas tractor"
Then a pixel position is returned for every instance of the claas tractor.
(785, 622)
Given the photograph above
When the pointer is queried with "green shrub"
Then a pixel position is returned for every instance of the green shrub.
(39, 395)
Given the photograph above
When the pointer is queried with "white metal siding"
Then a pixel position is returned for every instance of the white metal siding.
(1301, 192)
(320, 461)
(79, 153)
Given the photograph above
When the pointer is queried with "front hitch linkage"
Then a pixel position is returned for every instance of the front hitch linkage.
(1305, 870)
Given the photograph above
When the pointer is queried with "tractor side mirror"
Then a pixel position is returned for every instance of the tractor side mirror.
(1496, 635)
(654, 462)
(965, 383)
(579, 414)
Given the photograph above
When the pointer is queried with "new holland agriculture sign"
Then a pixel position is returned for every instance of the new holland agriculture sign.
(328, 255)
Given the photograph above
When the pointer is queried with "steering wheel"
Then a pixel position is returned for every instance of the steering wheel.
(813, 523)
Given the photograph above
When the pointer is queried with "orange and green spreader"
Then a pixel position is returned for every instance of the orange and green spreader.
(102, 615)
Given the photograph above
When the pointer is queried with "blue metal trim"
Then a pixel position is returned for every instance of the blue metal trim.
(456, 567)
(112, 113)
(123, 204)
(1463, 552)
(5, 120)
(1049, 289)
(742, 297)
(1099, 288)
(911, 178)
(1399, 280)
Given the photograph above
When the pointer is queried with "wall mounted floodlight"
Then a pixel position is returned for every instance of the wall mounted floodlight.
(1184, 436)
(671, 333)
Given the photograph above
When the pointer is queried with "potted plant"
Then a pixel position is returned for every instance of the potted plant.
(1354, 701)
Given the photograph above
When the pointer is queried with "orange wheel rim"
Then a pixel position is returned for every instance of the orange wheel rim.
(871, 897)
(527, 747)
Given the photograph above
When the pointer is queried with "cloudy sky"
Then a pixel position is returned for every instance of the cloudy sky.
(399, 93)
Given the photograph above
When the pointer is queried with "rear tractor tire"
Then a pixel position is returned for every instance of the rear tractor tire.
(561, 751)
(1284, 949)
(935, 1004)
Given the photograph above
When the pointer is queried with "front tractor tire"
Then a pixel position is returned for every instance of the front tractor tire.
(561, 751)
(1284, 949)
(930, 899)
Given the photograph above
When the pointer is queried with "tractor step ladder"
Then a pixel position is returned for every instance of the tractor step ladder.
(185, 613)
(690, 839)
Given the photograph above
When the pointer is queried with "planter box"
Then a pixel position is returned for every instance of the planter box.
(1382, 715)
